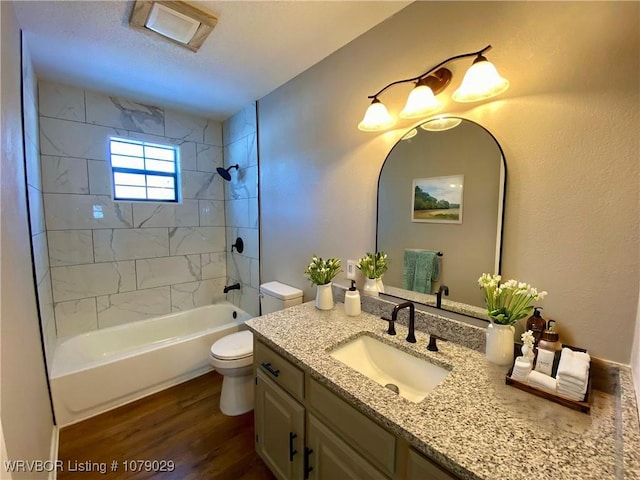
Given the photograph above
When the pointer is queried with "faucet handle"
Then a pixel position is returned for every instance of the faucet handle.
(433, 347)
(391, 330)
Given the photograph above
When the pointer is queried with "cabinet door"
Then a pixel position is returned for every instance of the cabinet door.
(279, 421)
(329, 458)
(421, 468)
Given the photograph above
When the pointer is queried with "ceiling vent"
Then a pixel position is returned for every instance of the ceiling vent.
(176, 21)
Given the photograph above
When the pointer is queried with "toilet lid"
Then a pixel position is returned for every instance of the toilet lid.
(233, 346)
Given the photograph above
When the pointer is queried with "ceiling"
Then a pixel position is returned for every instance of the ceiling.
(256, 47)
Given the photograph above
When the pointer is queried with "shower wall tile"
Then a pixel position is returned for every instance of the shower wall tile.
(202, 185)
(166, 215)
(249, 236)
(36, 210)
(124, 114)
(239, 268)
(83, 281)
(241, 124)
(40, 255)
(255, 273)
(70, 247)
(157, 272)
(209, 158)
(130, 244)
(63, 138)
(99, 177)
(76, 317)
(119, 254)
(237, 213)
(61, 101)
(68, 212)
(197, 294)
(184, 127)
(186, 240)
(211, 213)
(214, 265)
(130, 307)
(64, 175)
(254, 213)
(213, 133)
(32, 156)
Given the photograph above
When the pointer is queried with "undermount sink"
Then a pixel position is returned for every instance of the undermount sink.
(413, 377)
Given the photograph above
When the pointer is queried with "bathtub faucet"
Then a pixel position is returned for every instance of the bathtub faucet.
(231, 287)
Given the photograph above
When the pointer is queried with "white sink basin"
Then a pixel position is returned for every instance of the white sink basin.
(387, 365)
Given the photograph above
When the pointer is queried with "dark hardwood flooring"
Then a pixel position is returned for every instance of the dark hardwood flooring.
(182, 424)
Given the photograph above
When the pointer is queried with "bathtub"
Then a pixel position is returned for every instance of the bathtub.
(104, 369)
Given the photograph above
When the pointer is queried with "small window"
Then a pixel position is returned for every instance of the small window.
(144, 172)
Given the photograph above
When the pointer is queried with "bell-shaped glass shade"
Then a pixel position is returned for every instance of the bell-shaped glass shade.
(481, 81)
(421, 102)
(376, 118)
(410, 134)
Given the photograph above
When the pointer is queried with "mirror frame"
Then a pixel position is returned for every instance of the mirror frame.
(430, 299)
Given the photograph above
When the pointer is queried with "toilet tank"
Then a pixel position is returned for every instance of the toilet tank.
(276, 296)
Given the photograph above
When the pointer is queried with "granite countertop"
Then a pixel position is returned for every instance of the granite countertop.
(473, 424)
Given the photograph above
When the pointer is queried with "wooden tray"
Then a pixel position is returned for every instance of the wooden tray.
(583, 406)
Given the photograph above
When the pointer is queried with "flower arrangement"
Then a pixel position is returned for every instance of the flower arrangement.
(373, 265)
(321, 272)
(510, 301)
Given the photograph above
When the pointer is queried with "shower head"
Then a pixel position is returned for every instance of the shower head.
(224, 172)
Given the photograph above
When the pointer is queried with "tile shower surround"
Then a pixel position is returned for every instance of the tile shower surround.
(116, 262)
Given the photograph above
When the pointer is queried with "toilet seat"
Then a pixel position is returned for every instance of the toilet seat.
(235, 346)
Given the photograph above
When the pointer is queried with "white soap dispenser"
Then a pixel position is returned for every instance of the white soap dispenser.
(352, 301)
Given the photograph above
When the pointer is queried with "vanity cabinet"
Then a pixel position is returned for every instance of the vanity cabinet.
(305, 431)
(279, 425)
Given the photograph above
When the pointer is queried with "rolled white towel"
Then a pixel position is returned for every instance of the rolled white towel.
(542, 381)
(574, 365)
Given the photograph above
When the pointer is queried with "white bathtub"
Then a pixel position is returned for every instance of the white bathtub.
(100, 370)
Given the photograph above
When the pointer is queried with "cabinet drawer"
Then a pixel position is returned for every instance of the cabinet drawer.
(281, 371)
(370, 440)
(419, 468)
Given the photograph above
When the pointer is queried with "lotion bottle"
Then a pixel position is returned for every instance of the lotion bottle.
(352, 301)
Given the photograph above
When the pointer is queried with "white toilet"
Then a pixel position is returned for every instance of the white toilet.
(232, 355)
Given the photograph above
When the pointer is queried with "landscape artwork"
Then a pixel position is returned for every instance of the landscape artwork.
(437, 199)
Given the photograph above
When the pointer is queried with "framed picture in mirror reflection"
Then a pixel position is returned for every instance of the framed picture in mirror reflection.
(437, 199)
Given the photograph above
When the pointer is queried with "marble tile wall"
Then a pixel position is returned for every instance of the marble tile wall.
(241, 207)
(36, 208)
(118, 262)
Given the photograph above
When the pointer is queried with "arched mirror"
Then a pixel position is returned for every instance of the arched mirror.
(440, 210)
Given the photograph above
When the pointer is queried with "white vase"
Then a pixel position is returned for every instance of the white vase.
(499, 349)
(324, 297)
(370, 287)
(380, 284)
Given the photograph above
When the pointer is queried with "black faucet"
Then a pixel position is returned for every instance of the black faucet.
(445, 289)
(235, 286)
(411, 337)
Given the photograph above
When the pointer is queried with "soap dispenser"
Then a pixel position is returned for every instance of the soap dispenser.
(536, 324)
(352, 301)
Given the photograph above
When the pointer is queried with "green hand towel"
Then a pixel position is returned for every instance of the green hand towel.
(421, 268)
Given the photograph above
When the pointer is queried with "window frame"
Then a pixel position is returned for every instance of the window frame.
(176, 174)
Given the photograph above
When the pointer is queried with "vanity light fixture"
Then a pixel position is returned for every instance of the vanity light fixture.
(481, 81)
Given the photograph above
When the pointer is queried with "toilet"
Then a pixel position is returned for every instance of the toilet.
(232, 355)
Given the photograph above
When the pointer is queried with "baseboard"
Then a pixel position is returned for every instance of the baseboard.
(53, 453)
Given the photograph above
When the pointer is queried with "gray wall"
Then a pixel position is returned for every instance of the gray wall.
(568, 124)
(27, 424)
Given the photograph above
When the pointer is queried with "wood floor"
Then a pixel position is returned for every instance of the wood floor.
(182, 424)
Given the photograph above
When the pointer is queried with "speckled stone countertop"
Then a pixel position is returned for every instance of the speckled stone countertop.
(473, 424)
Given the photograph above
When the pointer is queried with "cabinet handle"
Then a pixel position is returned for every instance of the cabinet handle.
(307, 468)
(292, 452)
(269, 368)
